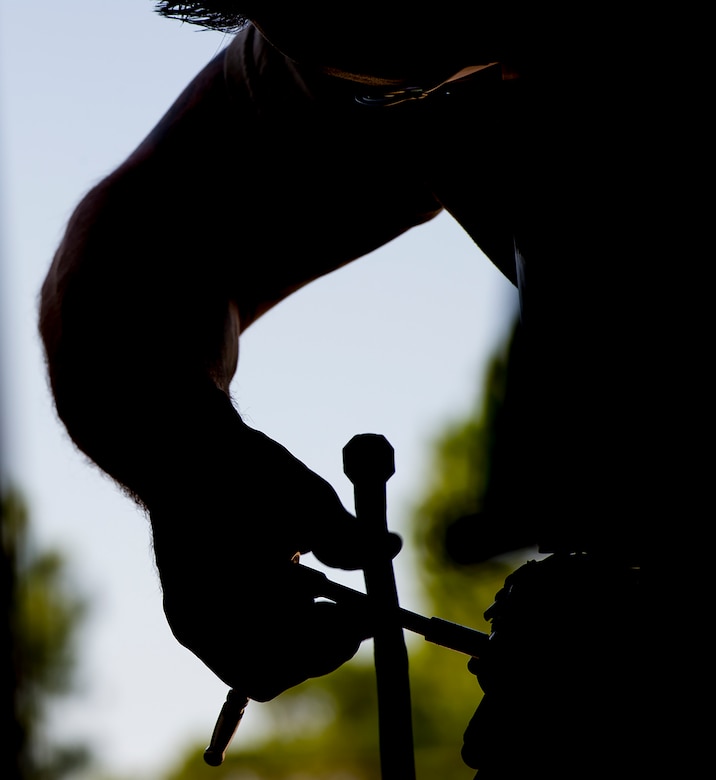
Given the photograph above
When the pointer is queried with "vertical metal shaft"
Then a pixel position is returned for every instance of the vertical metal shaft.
(368, 461)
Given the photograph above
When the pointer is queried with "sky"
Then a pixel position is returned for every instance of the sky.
(394, 344)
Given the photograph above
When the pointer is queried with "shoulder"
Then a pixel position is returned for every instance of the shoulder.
(257, 72)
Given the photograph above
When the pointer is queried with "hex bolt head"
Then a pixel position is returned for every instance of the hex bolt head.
(368, 457)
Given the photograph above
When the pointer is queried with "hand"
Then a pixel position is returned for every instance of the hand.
(232, 595)
(561, 684)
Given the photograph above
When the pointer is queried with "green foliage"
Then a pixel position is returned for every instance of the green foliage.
(459, 477)
(326, 729)
(43, 615)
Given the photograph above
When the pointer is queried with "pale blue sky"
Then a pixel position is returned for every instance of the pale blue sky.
(394, 344)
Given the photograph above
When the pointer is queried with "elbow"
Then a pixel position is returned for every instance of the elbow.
(70, 299)
(50, 320)
(87, 398)
(69, 337)
(66, 269)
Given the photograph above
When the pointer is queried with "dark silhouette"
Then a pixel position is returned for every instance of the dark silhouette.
(320, 133)
(11, 725)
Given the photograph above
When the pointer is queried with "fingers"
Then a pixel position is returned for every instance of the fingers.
(327, 637)
(265, 659)
(305, 512)
(348, 545)
(265, 633)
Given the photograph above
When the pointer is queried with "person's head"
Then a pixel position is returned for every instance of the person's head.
(387, 40)
(221, 15)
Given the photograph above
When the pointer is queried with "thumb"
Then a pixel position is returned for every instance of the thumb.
(345, 543)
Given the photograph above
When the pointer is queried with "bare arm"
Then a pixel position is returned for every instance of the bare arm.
(163, 264)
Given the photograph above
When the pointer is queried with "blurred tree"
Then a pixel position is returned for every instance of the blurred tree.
(326, 729)
(12, 733)
(42, 615)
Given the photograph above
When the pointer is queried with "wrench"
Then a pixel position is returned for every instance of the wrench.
(369, 463)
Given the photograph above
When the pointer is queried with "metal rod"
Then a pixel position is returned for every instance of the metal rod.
(445, 633)
(368, 461)
(229, 718)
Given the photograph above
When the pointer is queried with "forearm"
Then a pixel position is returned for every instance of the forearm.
(139, 370)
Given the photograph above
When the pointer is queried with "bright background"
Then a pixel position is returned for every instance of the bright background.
(395, 344)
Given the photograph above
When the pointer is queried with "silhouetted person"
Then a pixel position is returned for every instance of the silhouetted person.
(321, 132)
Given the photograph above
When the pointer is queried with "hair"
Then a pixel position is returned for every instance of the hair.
(220, 15)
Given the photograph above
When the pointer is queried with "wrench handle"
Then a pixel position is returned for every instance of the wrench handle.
(228, 721)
